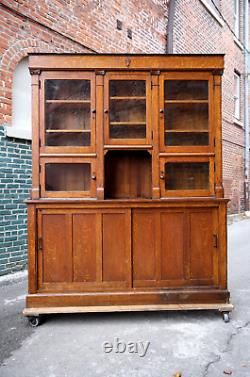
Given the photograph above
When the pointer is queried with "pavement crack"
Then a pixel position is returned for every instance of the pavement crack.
(208, 365)
(218, 357)
(233, 335)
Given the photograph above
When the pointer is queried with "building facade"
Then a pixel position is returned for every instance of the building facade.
(95, 26)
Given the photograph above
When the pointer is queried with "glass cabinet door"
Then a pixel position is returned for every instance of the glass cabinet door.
(68, 177)
(182, 176)
(127, 119)
(69, 113)
(185, 112)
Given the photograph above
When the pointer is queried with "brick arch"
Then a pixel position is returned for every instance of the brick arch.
(22, 48)
(11, 57)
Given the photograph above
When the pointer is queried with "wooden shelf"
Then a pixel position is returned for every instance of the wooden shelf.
(128, 123)
(67, 101)
(186, 131)
(188, 101)
(67, 131)
(128, 98)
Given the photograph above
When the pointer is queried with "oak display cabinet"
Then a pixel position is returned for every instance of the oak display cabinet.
(127, 209)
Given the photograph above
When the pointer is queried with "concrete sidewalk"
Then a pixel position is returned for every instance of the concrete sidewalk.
(196, 344)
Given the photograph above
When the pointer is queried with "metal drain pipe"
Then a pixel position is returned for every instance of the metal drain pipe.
(170, 27)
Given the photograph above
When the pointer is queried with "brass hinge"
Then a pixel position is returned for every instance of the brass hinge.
(40, 244)
(215, 240)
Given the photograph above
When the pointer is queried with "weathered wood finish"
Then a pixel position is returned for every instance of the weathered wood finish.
(129, 241)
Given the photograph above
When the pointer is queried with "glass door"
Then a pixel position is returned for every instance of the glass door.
(68, 114)
(187, 176)
(186, 112)
(68, 177)
(127, 109)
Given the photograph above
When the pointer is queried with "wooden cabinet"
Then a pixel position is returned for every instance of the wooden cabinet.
(127, 209)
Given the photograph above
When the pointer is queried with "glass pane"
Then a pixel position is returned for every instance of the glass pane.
(67, 89)
(68, 139)
(188, 123)
(67, 116)
(127, 114)
(186, 89)
(186, 117)
(128, 132)
(186, 138)
(187, 176)
(67, 177)
(127, 88)
(128, 111)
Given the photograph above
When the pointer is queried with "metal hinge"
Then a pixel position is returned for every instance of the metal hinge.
(40, 243)
(39, 84)
(152, 135)
(215, 240)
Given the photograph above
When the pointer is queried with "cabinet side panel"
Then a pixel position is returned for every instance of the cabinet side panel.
(57, 257)
(115, 238)
(144, 246)
(201, 245)
(172, 246)
(84, 247)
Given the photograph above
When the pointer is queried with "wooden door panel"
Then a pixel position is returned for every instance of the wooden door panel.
(173, 248)
(172, 245)
(144, 257)
(84, 247)
(201, 245)
(57, 249)
(116, 247)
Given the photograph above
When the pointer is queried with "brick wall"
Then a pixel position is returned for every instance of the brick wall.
(57, 26)
(15, 181)
(196, 30)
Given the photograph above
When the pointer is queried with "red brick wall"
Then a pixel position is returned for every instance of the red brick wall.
(75, 26)
(197, 31)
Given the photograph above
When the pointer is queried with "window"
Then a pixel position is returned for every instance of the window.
(237, 18)
(21, 102)
(237, 95)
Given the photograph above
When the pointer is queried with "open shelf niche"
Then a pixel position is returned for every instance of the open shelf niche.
(128, 174)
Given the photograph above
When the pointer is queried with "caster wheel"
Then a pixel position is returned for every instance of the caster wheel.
(34, 321)
(226, 317)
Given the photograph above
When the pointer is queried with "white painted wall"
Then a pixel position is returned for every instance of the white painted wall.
(21, 102)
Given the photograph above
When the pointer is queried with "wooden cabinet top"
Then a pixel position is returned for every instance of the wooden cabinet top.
(213, 62)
